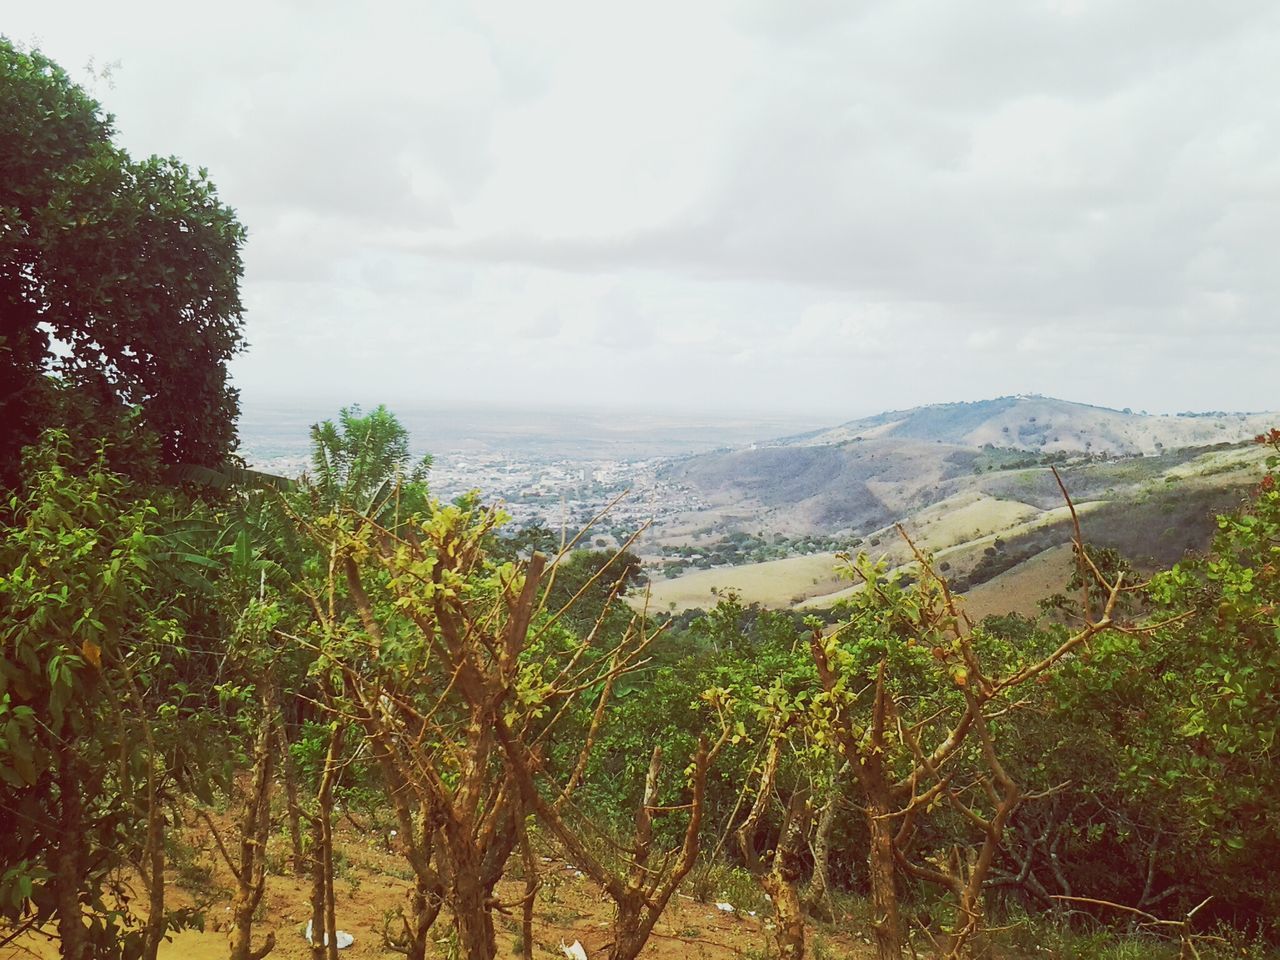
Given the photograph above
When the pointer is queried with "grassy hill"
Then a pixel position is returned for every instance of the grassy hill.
(827, 488)
(984, 509)
(870, 472)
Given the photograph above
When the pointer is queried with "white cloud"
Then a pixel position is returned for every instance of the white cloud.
(808, 207)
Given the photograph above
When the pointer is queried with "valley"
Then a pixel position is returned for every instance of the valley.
(723, 507)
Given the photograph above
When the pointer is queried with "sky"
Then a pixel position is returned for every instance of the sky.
(821, 208)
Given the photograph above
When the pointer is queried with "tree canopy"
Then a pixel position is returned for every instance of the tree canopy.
(118, 277)
(358, 460)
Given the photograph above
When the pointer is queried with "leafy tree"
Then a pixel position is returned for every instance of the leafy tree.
(585, 583)
(1169, 739)
(536, 537)
(363, 481)
(362, 462)
(100, 720)
(918, 702)
(118, 277)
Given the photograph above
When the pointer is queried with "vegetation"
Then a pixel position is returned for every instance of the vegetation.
(249, 661)
(741, 547)
(119, 276)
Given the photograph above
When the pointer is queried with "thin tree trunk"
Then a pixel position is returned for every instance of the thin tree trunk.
(290, 773)
(330, 901)
(255, 828)
(317, 888)
(868, 764)
(818, 897)
(646, 892)
(415, 842)
(424, 907)
(629, 933)
(886, 923)
(472, 918)
(788, 933)
(69, 859)
(153, 932)
(428, 894)
(630, 929)
(530, 891)
(151, 866)
(323, 903)
(970, 903)
(782, 877)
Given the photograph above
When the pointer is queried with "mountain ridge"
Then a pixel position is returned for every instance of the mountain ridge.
(1047, 424)
(872, 471)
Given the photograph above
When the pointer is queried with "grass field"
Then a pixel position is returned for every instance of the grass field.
(1019, 589)
(774, 583)
(810, 582)
(966, 517)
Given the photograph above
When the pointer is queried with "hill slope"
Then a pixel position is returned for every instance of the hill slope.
(1149, 486)
(870, 472)
(1046, 425)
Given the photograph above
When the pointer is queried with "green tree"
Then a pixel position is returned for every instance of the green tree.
(118, 278)
(99, 716)
(585, 583)
(362, 462)
(1170, 738)
(921, 706)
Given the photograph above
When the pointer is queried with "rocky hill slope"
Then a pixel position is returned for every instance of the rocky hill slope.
(1148, 486)
(870, 472)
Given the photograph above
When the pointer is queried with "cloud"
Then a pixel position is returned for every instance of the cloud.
(543, 327)
(812, 207)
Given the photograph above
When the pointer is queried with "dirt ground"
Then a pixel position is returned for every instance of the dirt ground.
(371, 883)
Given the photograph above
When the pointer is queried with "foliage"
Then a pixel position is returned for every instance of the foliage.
(95, 687)
(117, 276)
(1168, 739)
(363, 461)
(365, 643)
(585, 585)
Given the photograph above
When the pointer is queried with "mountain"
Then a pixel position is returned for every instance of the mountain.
(825, 488)
(866, 473)
(1046, 425)
(972, 482)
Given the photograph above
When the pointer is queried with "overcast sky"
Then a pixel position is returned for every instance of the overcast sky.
(825, 208)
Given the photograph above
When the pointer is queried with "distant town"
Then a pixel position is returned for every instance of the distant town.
(560, 493)
(567, 493)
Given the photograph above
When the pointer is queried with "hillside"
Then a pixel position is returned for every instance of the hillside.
(867, 473)
(831, 487)
(1149, 485)
(1045, 425)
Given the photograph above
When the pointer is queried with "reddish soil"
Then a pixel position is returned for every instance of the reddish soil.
(370, 885)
